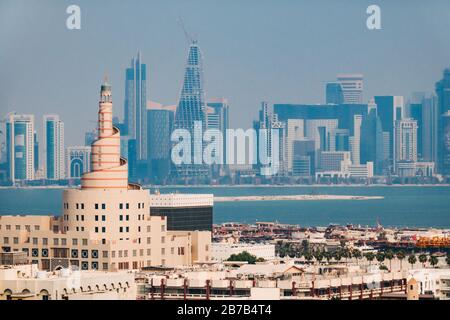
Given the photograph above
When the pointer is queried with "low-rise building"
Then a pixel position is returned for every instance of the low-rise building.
(221, 251)
(27, 282)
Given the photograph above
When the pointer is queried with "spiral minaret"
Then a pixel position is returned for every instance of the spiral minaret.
(108, 169)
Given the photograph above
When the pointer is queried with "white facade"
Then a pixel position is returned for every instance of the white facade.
(222, 251)
(406, 140)
(27, 282)
(352, 87)
(181, 200)
(433, 281)
(54, 148)
(355, 140)
(295, 131)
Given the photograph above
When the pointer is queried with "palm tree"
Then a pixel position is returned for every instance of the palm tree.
(308, 256)
(369, 256)
(357, 254)
(400, 256)
(380, 256)
(433, 260)
(423, 258)
(318, 255)
(327, 256)
(412, 260)
(337, 255)
(389, 255)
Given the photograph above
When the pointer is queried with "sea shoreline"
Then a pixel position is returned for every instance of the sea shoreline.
(242, 186)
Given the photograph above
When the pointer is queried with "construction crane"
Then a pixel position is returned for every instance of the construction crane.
(188, 36)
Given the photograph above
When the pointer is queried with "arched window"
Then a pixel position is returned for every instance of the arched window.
(7, 294)
(45, 295)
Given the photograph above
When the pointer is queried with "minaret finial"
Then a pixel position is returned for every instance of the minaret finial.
(105, 78)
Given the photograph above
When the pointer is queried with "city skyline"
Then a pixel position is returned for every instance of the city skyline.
(296, 78)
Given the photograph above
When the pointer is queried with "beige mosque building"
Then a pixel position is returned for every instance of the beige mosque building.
(108, 224)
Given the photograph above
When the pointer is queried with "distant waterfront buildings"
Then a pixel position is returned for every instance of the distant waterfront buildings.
(191, 109)
(54, 166)
(20, 147)
(78, 160)
(443, 95)
(159, 128)
(217, 112)
(334, 93)
(406, 140)
(135, 109)
(389, 109)
(352, 87)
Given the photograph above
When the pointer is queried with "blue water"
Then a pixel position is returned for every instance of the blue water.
(402, 206)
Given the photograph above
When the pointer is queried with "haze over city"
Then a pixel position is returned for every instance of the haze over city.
(282, 52)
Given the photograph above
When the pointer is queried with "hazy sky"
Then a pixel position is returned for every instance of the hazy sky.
(254, 50)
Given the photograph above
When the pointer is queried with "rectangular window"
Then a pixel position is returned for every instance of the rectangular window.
(8, 227)
(17, 227)
(128, 206)
(163, 239)
(163, 251)
(103, 229)
(149, 228)
(103, 218)
(82, 217)
(96, 218)
(105, 254)
(5, 240)
(163, 228)
(134, 253)
(128, 229)
(127, 217)
(96, 206)
(85, 242)
(76, 206)
(149, 240)
(44, 241)
(120, 206)
(56, 241)
(121, 229)
(64, 242)
(96, 229)
(35, 240)
(74, 242)
(16, 240)
(149, 252)
(103, 206)
(82, 206)
(121, 217)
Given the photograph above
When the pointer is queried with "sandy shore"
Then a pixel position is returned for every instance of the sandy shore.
(296, 198)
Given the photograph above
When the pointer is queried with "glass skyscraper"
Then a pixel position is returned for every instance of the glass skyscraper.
(443, 94)
(192, 108)
(20, 147)
(159, 129)
(334, 93)
(53, 147)
(135, 112)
